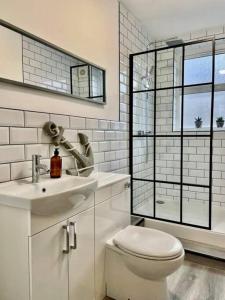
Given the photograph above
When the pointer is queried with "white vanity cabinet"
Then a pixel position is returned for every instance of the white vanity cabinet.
(61, 257)
(57, 275)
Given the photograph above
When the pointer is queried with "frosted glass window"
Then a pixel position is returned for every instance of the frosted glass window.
(198, 70)
(197, 100)
(220, 68)
(197, 105)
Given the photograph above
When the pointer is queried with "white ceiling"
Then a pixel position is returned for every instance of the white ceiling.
(166, 18)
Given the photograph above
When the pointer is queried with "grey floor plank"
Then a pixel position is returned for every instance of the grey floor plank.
(202, 280)
(199, 278)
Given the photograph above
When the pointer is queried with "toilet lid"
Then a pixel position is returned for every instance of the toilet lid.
(148, 243)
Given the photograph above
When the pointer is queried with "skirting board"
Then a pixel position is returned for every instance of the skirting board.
(203, 249)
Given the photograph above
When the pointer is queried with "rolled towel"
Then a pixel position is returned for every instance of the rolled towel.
(54, 131)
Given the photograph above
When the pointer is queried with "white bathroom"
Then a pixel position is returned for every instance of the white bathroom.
(112, 150)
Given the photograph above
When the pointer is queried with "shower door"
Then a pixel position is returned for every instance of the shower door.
(171, 132)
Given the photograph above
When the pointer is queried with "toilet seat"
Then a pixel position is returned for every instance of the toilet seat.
(148, 243)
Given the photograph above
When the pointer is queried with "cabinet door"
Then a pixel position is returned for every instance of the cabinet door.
(81, 259)
(49, 265)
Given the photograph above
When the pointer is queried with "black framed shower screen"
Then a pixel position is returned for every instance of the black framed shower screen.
(181, 134)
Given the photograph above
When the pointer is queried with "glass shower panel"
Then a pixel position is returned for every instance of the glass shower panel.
(168, 159)
(196, 206)
(143, 71)
(196, 159)
(197, 105)
(168, 111)
(198, 63)
(171, 168)
(143, 198)
(165, 68)
(168, 201)
(143, 113)
(143, 158)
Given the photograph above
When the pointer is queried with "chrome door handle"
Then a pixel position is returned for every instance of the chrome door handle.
(66, 247)
(73, 235)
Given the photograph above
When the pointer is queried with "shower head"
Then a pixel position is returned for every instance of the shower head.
(174, 42)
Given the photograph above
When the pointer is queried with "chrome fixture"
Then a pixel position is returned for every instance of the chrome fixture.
(37, 167)
(147, 78)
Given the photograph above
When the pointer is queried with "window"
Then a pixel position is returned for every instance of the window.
(197, 99)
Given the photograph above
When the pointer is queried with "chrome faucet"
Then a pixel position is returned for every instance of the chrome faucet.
(36, 167)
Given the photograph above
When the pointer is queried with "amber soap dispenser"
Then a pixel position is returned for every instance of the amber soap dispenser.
(56, 165)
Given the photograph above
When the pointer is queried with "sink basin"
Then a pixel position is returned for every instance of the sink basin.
(49, 196)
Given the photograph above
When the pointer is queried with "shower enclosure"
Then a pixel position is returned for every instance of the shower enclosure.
(176, 94)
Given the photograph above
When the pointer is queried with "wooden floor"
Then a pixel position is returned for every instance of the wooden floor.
(198, 279)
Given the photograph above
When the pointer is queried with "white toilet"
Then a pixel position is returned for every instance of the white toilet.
(138, 260)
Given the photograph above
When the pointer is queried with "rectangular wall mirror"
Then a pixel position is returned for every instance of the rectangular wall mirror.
(27, 60)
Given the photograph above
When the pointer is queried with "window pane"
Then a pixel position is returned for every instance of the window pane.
(197, 104)
(219, 107)
(220, 62)
(198, 63)
(220, 68)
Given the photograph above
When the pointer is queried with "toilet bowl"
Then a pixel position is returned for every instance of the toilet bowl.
(138, 261)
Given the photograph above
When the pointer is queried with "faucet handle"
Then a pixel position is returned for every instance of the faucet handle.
(36, 158)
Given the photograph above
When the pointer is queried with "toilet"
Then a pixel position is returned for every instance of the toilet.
(138, 261)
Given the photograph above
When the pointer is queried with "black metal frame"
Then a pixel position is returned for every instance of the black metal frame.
(182, 135)
(103, 96)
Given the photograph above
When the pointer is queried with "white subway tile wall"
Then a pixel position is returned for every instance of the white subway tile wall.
(19, 143)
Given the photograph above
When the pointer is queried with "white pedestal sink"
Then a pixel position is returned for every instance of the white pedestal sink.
(49, 196)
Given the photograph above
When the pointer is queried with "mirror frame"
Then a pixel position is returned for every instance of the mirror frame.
(46, 43)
